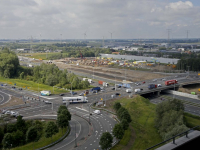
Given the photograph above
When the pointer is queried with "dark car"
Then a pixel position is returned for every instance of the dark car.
(119, 86)
(61, 94)
(117, 93)
(13, 87)
(141, 89)
(20, 88)
(113, 89)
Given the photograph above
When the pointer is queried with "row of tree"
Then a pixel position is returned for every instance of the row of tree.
(193, 64)
(169, 118)
(119, 129)
(23, 132)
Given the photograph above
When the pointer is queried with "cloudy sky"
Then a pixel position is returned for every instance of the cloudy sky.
(126, 19)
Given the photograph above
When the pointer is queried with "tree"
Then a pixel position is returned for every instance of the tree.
(117, 106)
(21, 125)
(7, 140)
(124, 124)
(1, 134)
(122, 109)
(18, 138)
(67, 114)
(62, 107)
(62, 121)
(11, 128)
(125, 115)
(118, 131)
(31, 134)
(106, 140)
(51, 129)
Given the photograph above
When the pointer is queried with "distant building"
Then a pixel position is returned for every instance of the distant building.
(23, 49)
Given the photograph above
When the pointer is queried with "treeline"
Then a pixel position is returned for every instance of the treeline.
(48, 74)
(23, 132)
(70, 44)
(169, 118)
(51, 75)
(106, 139)
(193, 64)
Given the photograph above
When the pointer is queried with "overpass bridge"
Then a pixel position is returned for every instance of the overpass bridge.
(181, 83)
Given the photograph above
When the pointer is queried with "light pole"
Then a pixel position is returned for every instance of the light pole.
(174, 89)
(93, 71)
(52, 107)
(75, 135)
(115, 83)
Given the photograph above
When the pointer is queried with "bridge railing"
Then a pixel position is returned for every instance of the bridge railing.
(174, 138)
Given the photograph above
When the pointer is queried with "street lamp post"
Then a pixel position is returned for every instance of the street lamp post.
(115, 83)
(75, 136)
(93, 71)
(174, 90)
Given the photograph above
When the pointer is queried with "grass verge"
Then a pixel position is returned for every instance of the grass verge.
(42, 142)
(141, 133)
(32, 85)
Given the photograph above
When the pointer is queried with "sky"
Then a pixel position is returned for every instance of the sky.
(97, 19)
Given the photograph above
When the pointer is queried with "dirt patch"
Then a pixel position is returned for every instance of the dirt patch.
(14, 101)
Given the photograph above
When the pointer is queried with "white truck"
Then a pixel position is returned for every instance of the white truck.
(128, 90)
(137, 90)
(72, 100)
(45, 93)
(89, 80)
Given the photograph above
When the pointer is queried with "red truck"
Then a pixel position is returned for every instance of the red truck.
(103, 83)
(169, 82)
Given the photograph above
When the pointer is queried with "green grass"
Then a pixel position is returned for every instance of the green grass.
(143, 133)
(191, 121)
(32, 85)
(42, 142)
(43, 56)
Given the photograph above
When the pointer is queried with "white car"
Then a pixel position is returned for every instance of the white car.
(113, 96)
(7, 112)
(163, 79)
(159, 85)
(154, 80)
(97, 112)
(81, 94)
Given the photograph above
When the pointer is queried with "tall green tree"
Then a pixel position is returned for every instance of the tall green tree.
(117, 106)
(124, 124)
(106, 141)
(51, 129)
(7, 140)
(118, 131)
(31, 134)
(62, 121)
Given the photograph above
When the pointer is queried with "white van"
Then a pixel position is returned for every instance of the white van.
(97, 112)
(128, 90)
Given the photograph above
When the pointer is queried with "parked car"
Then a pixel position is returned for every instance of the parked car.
(13, 87)
(61, 94)
(113, 89)
(143, 82)
(48, 102)
(3, 111)
(20, 89)
(117, 93)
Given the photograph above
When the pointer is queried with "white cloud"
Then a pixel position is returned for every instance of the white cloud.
(127, 18)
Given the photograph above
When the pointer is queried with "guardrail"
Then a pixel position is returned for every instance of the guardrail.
(174, 138)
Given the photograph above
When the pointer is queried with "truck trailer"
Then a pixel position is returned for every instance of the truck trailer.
(103, 83)
(96, 89)
(170, 82)
(152, 86)
(72, 100)
(45, 93)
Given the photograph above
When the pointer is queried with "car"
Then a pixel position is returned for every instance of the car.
(7, 112)
(20, 89)
(81, 94)
(143, 82)
(119, 86)
(3, 111)
(102, 90)
(14, 113)
(18, 115)
(117, 93)
(154, 80)
(5, 84)
(61, 94)
(73, 93)
(97, 112)
(48, 102)
(141, 89)
(113, 89)
(159, 85)
(163, 79)
(113, 96)
(13, 87)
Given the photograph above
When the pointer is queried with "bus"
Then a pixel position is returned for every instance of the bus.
(45, 93)
(72, 100)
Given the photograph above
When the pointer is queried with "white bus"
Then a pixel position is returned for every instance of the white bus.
(72, 100)
(45, 93)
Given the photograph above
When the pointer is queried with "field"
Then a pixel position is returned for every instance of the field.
(141, 133)
(30, 85)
